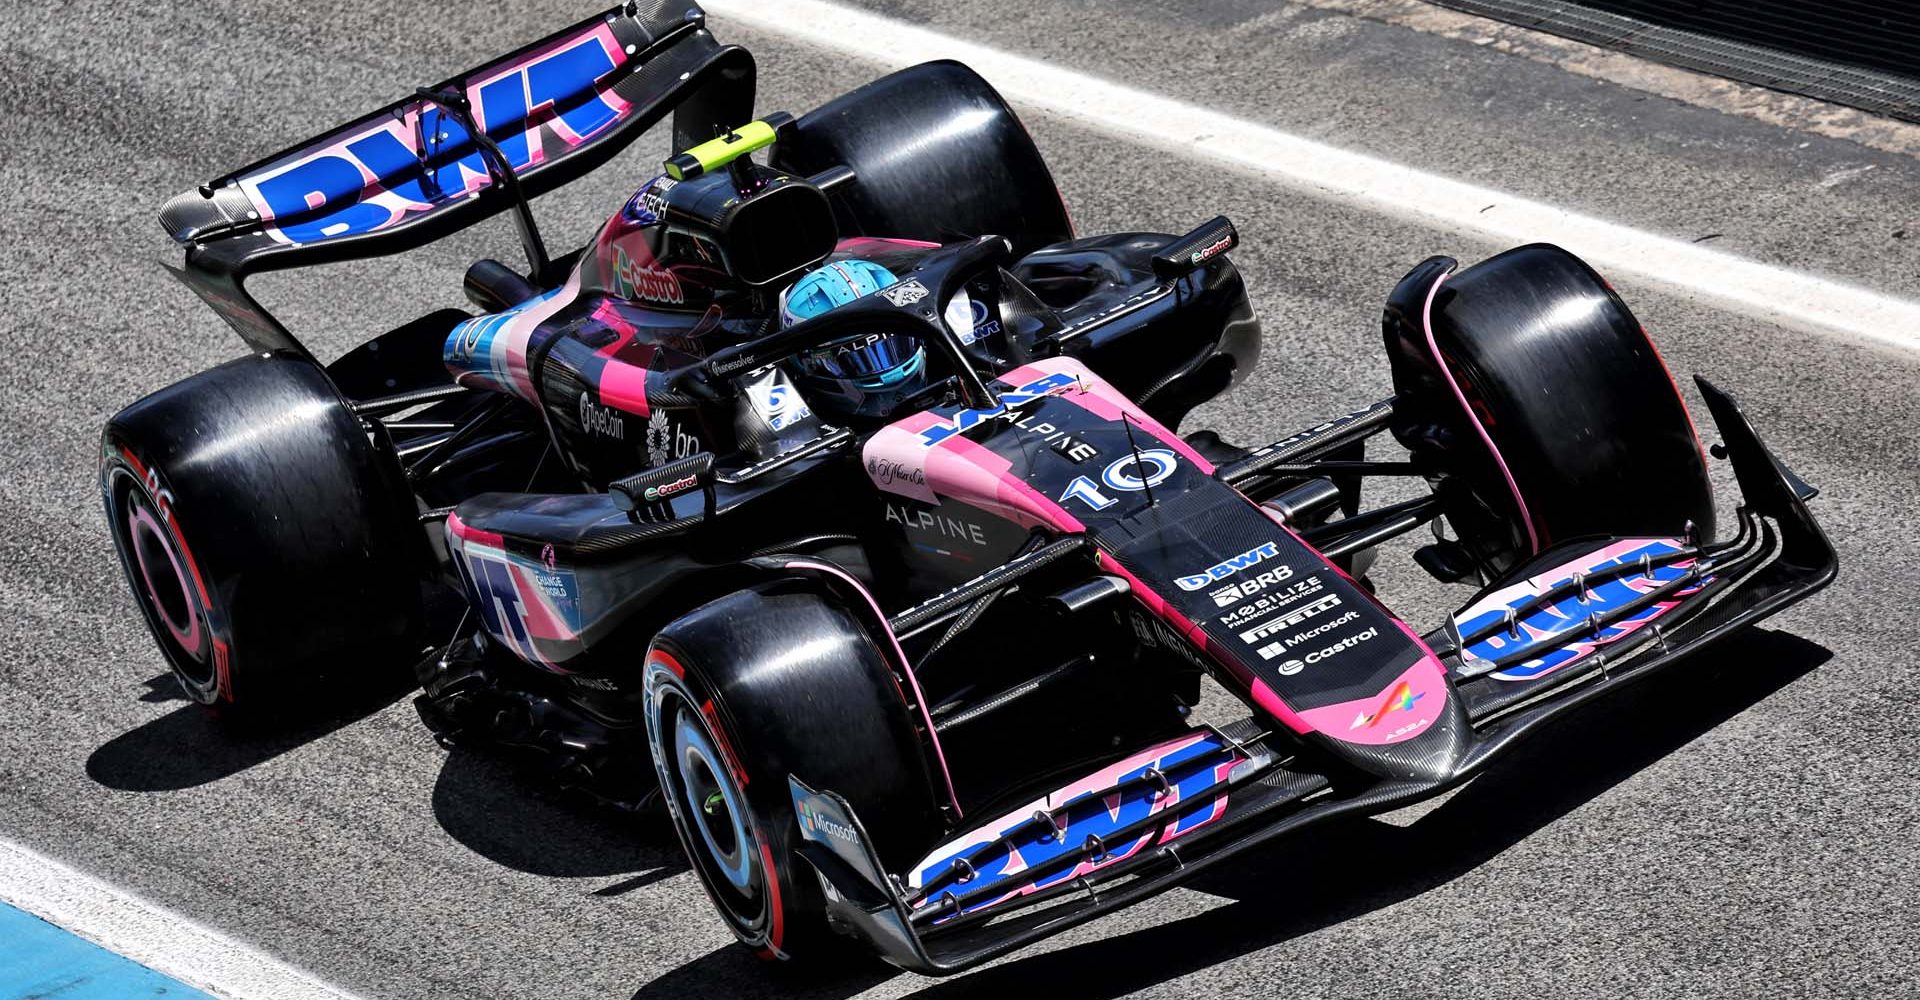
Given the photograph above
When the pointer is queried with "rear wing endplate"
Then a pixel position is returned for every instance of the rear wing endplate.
(409, 173)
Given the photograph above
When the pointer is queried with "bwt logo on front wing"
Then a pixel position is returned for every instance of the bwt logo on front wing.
(1249, 558)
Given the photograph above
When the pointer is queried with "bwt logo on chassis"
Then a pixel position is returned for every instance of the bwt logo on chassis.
(1249, 558)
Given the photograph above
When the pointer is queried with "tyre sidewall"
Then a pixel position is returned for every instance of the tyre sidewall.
(790, 895)
(303, 554)
(1586, 433)
(129, 481)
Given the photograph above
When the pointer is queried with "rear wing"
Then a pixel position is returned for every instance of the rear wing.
(410, 173)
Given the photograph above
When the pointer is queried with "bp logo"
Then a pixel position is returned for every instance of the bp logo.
(666, 441)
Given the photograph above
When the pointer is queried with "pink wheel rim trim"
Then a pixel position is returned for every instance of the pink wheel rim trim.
(140, 521)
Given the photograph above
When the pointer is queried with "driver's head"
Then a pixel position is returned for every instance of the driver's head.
(862, 374)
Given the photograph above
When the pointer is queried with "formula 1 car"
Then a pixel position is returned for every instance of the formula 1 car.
(835, 501)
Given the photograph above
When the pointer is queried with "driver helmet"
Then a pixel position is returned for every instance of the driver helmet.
(863, 374)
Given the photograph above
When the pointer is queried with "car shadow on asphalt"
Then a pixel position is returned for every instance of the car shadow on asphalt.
(1549, 775)
(495, 808)
(193, 745)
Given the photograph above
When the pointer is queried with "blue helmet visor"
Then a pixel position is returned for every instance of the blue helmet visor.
(875, 356)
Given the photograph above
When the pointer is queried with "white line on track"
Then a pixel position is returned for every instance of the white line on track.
(1765, 291)
(158, 939)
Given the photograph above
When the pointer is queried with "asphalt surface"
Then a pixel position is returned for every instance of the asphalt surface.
(1743, 826)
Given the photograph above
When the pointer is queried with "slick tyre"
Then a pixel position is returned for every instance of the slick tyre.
(265, 539)
(1529, 382)
(761, 684)
(937, 155)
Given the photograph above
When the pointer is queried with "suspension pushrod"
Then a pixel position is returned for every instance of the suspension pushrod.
(927, 612)
(1382, 524)
(1339, 431)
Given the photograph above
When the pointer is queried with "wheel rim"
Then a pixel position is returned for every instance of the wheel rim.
(711, 802)
(710, 809)
(165, 591)
(165, 580)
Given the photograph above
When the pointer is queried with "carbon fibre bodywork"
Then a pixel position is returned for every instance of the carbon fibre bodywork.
(1164, 814)
(660, 542)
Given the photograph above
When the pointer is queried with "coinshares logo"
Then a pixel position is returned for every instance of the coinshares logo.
(1249, 558)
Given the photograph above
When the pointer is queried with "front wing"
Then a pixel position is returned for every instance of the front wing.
(1157, 817)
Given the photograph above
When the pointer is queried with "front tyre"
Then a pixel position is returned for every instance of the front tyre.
(1527, 381)
(728, 843)
(739, 694)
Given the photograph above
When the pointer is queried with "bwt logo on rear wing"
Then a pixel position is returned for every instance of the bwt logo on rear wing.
(421, 157)
(597, 84)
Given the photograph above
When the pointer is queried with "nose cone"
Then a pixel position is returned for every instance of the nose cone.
(1414, 730)
(1433, 754)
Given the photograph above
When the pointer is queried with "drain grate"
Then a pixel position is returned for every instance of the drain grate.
(1856, 52)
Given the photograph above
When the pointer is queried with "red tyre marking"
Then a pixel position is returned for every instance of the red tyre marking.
(223, 677)
(666, 659)
(720, 736)
(776, 929)
(140, 521)
(776, 917)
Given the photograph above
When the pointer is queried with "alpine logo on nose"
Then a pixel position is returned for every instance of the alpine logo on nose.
(1251, 557)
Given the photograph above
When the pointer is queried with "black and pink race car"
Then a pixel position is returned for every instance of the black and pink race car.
(909, 653)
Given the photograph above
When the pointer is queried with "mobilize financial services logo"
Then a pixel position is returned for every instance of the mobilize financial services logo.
(1251, 557)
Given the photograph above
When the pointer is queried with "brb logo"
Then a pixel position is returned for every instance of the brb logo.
(370, 179)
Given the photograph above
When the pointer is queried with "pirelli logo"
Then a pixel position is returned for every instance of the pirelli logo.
(1290, 620)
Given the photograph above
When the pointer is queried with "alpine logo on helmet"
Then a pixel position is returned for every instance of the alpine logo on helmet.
(863, 373)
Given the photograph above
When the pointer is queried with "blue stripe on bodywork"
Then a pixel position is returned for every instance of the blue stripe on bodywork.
(38, 959)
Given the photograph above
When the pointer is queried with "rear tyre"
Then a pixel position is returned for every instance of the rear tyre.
(265, 539)
(937, 155)
(1531, 388)
(764, 683)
